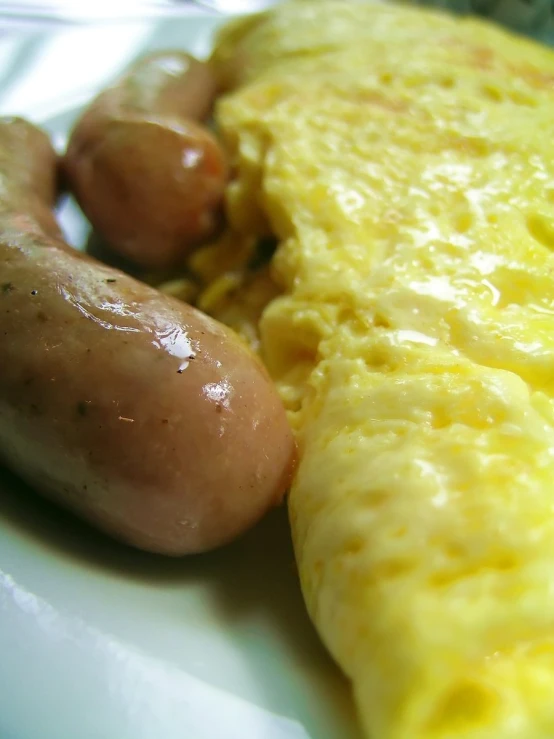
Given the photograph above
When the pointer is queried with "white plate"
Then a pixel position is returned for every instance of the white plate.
(98, 641)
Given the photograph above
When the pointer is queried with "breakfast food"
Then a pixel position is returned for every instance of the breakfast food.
(147, 174)
(404, 160)
(136, 411)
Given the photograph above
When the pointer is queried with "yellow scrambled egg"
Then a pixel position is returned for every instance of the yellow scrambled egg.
(405, 162)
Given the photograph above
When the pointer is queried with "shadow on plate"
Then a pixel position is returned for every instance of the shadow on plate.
(65, 534)
(260, 565)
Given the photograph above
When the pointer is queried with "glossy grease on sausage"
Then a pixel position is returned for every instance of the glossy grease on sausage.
(138, 412)
(147, 174)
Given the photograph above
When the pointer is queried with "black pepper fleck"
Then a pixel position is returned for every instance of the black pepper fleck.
(165, 420)
(111, 279)
(34, 292)
(180, 371)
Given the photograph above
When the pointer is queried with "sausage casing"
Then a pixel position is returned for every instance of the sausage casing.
(148, 176)
(137, 411)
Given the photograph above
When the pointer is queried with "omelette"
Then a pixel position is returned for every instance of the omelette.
(403, 162)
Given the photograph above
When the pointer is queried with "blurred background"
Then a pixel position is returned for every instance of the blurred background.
(34, 12)
(534, 17)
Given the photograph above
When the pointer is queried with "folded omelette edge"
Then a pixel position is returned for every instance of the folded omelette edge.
(405, 161)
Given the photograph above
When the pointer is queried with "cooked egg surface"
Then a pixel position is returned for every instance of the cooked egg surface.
(405, 162)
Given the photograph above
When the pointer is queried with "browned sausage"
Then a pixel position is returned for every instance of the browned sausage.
(137, 411)
(148, 177)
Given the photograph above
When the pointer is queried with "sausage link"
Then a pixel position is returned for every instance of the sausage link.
(148, 176)
(136, 411)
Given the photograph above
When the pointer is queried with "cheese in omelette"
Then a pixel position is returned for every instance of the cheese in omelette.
(404, 160)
